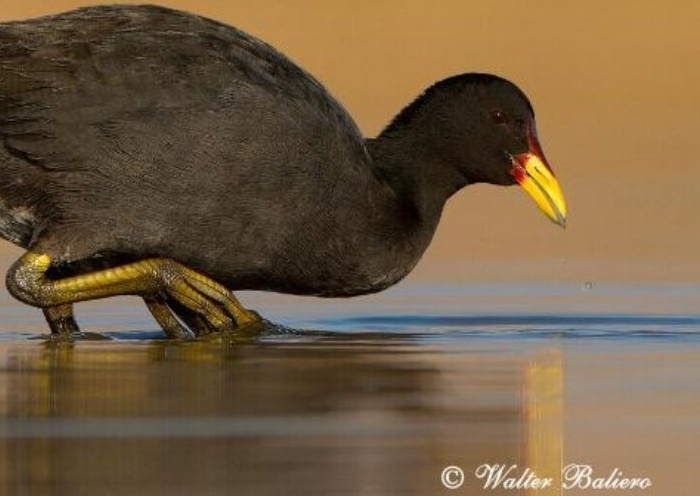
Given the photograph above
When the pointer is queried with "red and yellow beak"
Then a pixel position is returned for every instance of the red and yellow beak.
(535, 176)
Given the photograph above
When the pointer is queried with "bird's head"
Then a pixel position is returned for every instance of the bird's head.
(482, 127)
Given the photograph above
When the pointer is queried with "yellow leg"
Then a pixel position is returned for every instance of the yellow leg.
(157, 280)
(61, 320)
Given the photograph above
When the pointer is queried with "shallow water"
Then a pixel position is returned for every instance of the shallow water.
(367, 396)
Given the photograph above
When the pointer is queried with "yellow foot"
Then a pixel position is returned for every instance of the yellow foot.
(171, 314)
(167, 286)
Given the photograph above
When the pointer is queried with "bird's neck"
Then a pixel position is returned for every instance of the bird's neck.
(415, 171)
(410, 186)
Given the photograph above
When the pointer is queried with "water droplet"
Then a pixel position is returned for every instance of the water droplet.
(588, 286)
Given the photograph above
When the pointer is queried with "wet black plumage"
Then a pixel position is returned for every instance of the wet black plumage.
(138, 131)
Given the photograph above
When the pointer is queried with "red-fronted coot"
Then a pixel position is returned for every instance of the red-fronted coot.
(153, 152)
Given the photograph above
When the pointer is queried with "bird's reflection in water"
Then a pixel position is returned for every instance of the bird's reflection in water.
(281, 412)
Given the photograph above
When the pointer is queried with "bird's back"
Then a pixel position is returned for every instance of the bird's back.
(150, 131)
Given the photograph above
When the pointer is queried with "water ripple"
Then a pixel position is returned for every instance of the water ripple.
(629, 327)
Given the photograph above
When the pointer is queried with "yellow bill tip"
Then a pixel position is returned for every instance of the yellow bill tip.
(538, 181)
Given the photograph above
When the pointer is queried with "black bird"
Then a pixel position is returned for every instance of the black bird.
(153, 152)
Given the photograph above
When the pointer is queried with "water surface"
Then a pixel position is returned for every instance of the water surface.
(369, 396)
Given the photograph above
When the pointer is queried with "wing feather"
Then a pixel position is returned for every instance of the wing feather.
(65, 79)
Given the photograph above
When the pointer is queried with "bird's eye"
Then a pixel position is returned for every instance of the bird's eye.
(499, 117)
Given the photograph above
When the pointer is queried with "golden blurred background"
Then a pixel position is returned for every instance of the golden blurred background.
(616, 88)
